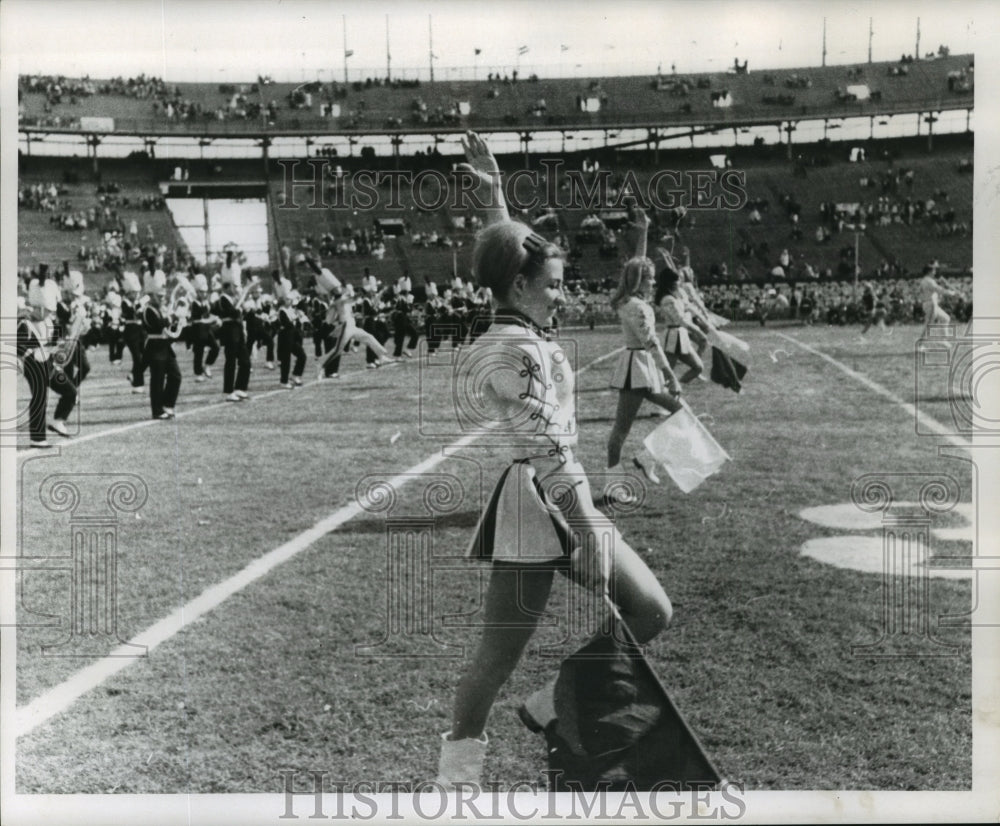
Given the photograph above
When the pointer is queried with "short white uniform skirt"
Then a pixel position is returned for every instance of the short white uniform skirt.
(533, 522)
(636, 370)
(678, 342)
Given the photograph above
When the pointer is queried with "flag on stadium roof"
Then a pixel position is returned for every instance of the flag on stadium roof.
(349, 52)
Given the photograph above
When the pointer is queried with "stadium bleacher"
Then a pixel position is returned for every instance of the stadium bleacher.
(374, 105)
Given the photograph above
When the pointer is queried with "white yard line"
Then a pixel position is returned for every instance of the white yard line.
(59, 698)
(927, 421)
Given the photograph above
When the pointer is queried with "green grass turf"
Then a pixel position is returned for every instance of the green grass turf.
(758, 656)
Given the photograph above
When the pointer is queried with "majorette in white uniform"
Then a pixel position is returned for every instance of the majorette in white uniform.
(676, 318)
(642, 363)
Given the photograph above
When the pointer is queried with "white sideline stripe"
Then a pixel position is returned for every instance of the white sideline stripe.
(927, 421)
(59, 698)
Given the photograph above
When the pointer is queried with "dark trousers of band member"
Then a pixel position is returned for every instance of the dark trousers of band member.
(332, 367)
(202, 339)
(236, 370)
(432, 332)
(116, 344)
(77, 365)
(41, 378)
(264, 337)
(37, 374)
(135, 338)
(459, 328)
(379, 329)
(402, 328)
(289, 345)
(164, 375)
(62, 384)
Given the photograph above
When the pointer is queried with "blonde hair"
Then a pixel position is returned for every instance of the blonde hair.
(500, 256)
(633, 273)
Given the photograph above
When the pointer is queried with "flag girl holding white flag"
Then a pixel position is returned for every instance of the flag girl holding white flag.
(642, 371)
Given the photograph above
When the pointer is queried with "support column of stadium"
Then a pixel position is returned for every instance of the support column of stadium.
(93, 141)
(396, 142)
(273, 233)
(790, 127)
(655, 137)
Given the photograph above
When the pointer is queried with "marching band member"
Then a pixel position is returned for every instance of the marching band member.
(266, 317)
(481, 313)
(372, 320)
(33, 336)
(32, 333)
(435, 319)
(133, 333)
(930, 292)
(458, 313)
(290, 336)
(112, 323)
(72, 321)
(345, 329)
(236, 356)
(318, 308)
(369, 284)
(402, 324)
(201, 330)
(164, 374)
(257, 314)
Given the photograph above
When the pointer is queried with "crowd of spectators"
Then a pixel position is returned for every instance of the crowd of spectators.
(361, 242)
(57, 88)
(834, 302)
(42, 196)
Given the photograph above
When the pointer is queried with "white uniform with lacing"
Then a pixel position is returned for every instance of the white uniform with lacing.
(640, 366)
(541, 509)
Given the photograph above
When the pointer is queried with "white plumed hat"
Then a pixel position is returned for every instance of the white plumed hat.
(282, 289)
(154, 282)
(327, 282)
(232, 275)
(130, 282)
(76, 281)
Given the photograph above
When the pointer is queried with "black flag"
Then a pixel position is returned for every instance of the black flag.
(727, 371)
(611, 725)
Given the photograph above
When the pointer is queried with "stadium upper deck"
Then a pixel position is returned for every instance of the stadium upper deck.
(711, 101)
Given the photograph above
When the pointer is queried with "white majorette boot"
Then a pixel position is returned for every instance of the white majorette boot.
(461, 761)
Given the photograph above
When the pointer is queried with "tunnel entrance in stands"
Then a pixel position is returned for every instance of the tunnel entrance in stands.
(213, 218)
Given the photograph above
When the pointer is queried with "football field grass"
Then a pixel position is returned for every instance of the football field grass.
(322, 642)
